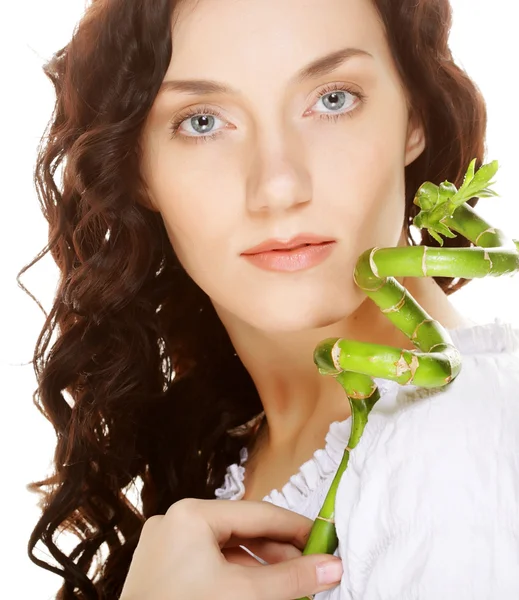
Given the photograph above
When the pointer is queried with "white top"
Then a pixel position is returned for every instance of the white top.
(428, 507)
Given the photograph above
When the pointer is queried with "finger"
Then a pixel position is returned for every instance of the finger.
(248, 519)
(270, 551)
(239, 556)
(297, 578)
(235, 541)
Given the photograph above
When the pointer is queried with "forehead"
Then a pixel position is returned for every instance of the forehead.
(268, 38)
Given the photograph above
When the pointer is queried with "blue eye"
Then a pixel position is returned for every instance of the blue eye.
(202, 119)
(334, 97)
(337, 101)
(202, 123)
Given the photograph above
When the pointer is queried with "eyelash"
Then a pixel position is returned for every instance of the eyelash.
(204, 110)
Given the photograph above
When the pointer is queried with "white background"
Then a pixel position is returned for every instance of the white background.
(484, 40)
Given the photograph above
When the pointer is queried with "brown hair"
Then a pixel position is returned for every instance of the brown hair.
(141, 382)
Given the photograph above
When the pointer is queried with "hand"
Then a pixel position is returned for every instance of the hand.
(193, 552)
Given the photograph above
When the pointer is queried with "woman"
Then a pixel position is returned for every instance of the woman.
(321, 121)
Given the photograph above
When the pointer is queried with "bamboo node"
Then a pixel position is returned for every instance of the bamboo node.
(325, 519)
(401, 365)
(487, 257)
(372, 264)
(396, 307)
(335, 355)
(424, 262)
(489, 230)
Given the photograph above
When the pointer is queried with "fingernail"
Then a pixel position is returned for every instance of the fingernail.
(329, 572)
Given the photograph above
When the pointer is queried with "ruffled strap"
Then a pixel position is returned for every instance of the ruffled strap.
(323, 463)
(233, 488)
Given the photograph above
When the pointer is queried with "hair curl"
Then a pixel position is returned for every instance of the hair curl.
(142, 383)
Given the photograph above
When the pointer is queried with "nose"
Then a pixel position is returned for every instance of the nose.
(279, 181)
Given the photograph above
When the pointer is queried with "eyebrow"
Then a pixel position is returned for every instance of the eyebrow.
(317, 68)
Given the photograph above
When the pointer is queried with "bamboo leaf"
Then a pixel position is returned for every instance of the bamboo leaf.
(469, 176)
(444, 230)
(427, 196)
(487, 193)
(433, 234)
(421, 221)
(446, 191)
(482, 179)
(441, 211)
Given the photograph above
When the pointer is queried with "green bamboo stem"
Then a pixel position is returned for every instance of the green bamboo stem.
(436, 362)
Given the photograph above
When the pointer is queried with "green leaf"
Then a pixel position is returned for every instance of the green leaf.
(433, 234)
(427, 196)
(487, 193)
(441, 211)
(444, 230)
(482, 178)
(446, 191)
(420, 221)
(469, 176)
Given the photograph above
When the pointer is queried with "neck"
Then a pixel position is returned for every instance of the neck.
(299, 403)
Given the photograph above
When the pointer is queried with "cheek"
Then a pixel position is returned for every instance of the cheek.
(365, 179)
(197, 212)
(386, 203)
(364, 154)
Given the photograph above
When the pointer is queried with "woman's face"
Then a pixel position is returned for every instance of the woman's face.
(322, 154)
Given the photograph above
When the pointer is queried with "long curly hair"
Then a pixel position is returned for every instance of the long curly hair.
(141, 382)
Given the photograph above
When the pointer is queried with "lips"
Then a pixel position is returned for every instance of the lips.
(299, 241)
(299, 258)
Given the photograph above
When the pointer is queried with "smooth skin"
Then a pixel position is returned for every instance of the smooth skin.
(193, 552)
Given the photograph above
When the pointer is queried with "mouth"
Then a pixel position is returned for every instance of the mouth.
(294, 248)
(297, 258)
(302, 240)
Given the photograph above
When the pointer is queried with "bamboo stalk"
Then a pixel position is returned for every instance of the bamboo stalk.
(436, 362)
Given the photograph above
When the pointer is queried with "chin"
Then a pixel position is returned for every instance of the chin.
(293, 309)
(292, 320)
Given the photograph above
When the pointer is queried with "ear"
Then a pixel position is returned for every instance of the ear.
(415, 141)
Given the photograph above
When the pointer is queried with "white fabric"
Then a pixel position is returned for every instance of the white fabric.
(428, 508)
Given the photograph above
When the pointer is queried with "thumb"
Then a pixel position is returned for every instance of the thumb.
(296, 578)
